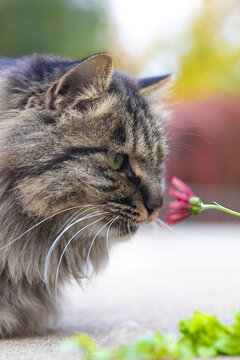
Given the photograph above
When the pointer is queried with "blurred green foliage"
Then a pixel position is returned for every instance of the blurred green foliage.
(74, 28)
(203, 336)
(212, 64)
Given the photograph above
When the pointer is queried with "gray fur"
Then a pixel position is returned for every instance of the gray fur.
(52, 111)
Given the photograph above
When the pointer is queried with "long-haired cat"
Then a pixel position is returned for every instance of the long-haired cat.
(81, 156)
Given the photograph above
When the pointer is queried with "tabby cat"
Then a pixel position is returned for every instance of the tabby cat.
(82, 152)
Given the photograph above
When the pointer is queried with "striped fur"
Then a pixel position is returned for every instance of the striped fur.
(55, 132)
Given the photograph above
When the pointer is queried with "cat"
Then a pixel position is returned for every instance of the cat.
(81, 168)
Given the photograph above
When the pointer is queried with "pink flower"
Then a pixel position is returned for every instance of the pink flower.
(186, 204)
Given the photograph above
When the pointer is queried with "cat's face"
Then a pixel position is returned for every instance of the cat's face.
(99, 143)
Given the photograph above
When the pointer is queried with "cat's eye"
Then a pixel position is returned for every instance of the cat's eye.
(115, 160)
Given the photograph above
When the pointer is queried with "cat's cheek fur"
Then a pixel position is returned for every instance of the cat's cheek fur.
(44, 196)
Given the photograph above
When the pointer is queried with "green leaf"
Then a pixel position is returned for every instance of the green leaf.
(202, 329)
(235, 327)
(228, 344)
(85, 341)
(185, 349)
(101, 354)
(130, 352)
(207, 352)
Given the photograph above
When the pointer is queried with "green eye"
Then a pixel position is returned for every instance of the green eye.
(115, 160)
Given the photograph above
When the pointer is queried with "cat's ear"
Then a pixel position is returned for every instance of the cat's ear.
(148, 85)
(88, 79)
(154, 88)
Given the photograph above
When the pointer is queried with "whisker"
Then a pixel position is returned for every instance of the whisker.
(58, 239)
(155, 226)
(129, 230)
(119, 230)
(34, 226)
(107, 242)
(69, 220)
(65, 248)
(162, 225)
(91, 245)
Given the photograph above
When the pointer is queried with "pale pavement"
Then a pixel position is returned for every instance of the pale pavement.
(153, 281)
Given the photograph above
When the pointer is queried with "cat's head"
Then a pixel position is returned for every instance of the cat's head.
(97, 139)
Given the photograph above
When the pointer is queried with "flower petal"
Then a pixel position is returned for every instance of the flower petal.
(177, 217)
(180, 185)
(179, 205)
(179, 195)
(177, 211)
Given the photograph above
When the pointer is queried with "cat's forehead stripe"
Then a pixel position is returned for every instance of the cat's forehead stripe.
(119, 134)
(140, 116)
(146, 132)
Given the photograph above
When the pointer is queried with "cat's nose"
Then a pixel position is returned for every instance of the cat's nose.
(154, 205)
(152, 198)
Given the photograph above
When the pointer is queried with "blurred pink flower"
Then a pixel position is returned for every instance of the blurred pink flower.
(180, 209)
(187, 203)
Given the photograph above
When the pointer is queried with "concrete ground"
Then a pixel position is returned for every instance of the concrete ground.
(161, 276)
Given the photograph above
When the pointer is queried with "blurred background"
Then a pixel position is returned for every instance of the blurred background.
(198, 41)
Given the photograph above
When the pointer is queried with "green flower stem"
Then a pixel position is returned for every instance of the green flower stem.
(219, 207)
